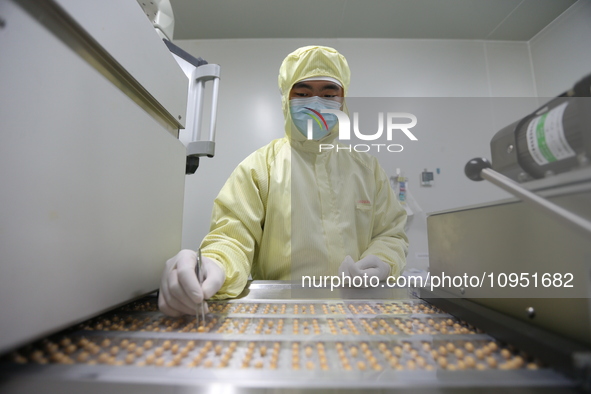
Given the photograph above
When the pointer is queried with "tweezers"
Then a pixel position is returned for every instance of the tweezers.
(200, 313)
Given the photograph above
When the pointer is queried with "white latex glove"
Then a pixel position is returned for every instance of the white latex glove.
(180, 292)
(370, 265)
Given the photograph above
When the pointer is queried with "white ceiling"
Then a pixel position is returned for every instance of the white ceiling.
(517, 20)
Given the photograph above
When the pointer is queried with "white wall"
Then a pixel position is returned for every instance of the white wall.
(561, 53)
(250, 112)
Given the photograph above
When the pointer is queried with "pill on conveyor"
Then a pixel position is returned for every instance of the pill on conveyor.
(103, 358)
(469, 346)
(361, 365)
(442, 361)
(470, 362)
(70, 349)
(106, 343)
(177, 359)
(505, 353)
(150, 359)
(148, 344)
(491, 361)
(129, 359)
(83, 357)
(166, 345)
(479, 354)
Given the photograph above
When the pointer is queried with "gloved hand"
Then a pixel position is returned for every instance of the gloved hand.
(180, 292)
(370, 265)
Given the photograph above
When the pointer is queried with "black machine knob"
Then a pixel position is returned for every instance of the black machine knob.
(475, 166)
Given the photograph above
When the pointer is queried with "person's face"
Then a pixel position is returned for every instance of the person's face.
(323, 89)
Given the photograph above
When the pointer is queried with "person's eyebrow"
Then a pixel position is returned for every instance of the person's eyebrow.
(302, 85)
(331, 86)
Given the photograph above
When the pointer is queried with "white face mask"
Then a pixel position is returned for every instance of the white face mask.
(308, 109)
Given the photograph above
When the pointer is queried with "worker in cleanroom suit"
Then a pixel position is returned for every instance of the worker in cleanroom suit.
(290, 210)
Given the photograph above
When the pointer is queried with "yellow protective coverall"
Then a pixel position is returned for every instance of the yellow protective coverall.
(288, 210)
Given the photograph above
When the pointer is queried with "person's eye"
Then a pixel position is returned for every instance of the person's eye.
(330, 95)
(301, 94)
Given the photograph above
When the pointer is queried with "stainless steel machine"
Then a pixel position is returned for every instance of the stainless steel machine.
(528, 259)
(268, 341)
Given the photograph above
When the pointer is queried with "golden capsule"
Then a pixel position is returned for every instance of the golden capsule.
(129, 359)
(83, 357)
(103, 358)
(70, 349)
(150, 359)
(491, 361)
(218, 350)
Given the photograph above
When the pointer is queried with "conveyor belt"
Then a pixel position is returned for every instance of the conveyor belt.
(299, 345)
